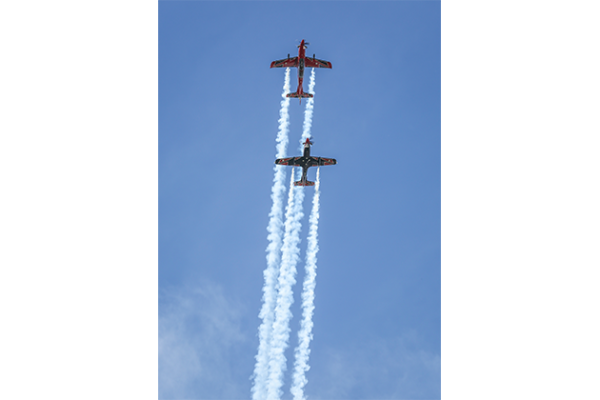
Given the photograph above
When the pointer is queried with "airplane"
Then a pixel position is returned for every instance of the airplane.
(306, 161)
(301, 61)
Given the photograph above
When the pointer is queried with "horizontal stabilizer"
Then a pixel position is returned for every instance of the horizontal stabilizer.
(296, 95)
(304, 183)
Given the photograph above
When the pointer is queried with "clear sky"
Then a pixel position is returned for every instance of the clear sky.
(377, 306)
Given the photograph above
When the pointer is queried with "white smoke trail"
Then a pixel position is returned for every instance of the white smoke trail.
(305, 334)
(308, 296)
(287, 278)
(275, 228)
(308, 111)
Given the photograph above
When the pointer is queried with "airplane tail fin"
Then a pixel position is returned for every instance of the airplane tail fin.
(296, 95)
(304, 183)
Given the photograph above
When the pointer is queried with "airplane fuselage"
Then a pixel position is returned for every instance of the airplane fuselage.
(301, 55)
(306, 162)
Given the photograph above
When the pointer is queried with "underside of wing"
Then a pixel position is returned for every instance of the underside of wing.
(316, 63)
(287, 161)
(285, 63)
(327, 161)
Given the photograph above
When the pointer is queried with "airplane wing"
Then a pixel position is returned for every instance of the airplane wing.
(286, 62)
(316, 63)
(302, 161)
(287, 161)
(326, 161)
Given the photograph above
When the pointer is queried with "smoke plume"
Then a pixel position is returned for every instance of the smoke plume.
(287, 278)
(308, 295)
(275, 229)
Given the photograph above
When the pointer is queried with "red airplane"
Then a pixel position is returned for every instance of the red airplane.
(306, 161)
(301, 61)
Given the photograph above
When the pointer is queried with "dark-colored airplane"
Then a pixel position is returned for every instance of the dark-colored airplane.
(301, 61)
(306, 161)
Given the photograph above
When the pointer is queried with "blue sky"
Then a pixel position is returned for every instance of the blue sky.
(377, 315)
